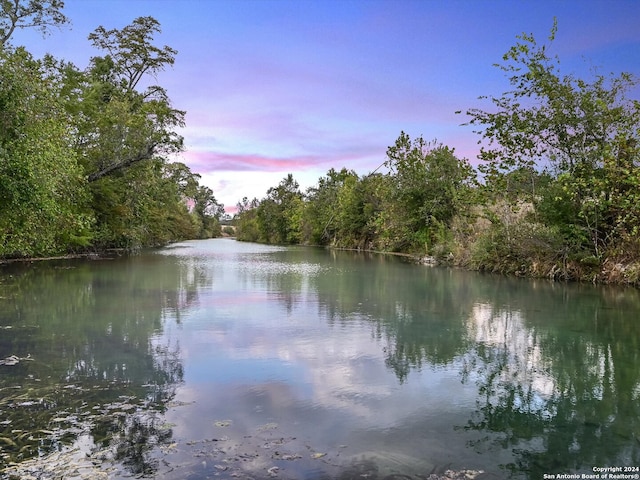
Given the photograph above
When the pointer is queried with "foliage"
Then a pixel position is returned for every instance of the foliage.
(583, 133)
(246, 220)
(39, 14)
(320, 224)
(42, 196)
(119, 125)
(86, 162)
(85, 154)
(279, 214)
(429, 185)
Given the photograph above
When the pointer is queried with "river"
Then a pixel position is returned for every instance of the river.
(222, 359)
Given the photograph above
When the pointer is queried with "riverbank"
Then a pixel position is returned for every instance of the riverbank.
(611, 271)
(89, 256)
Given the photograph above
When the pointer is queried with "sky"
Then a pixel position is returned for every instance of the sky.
(273, 87)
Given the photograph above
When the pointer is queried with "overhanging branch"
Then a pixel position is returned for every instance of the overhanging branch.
(114, 167)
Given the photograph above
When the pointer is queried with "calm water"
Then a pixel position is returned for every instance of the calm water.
(218, 359)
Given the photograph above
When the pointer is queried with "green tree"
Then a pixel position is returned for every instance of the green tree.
(122, 125)
(279, 215)
(584, 132)
(125, 133)
(358, 205)
(39, 14)
(208, 212)
(42, 190)
(429, 188)
(246, 220)
(321, 215)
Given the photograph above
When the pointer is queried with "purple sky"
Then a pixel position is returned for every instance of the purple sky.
(298, 86)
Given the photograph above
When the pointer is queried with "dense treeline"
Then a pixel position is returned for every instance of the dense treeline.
(84, 153)
(558, 195)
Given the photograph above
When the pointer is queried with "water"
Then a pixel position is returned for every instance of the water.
(220, 359)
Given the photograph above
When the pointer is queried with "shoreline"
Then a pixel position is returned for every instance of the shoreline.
(612, 273)
(71, 256)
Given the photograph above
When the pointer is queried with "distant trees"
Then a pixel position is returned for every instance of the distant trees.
(85, 162)
(406, 210)
(85, 154)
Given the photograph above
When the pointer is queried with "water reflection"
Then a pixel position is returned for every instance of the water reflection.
(236, 360)
(87, 331)
(560, 386)
(556, 366)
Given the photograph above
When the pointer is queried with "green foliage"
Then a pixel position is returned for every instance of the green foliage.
(141, 207)
(84, 155)
(39, 14)
(320, 225)
(207, 212)
(430, 186)
(125, 137)
(85, 163)
(521, 248)
(585, 132)
(279, 215)
(118, 125)
(246, 220)
(42, 198)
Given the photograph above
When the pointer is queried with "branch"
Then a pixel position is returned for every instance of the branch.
(144, 155)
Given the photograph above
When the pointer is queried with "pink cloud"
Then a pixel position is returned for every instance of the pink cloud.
(210, 161)
(205, 162)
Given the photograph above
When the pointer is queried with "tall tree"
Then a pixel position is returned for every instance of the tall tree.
(208, 212)
(321, 214)
(584, 132)
(429, 184)
(279, 215)
(119, 124)
(125, 134)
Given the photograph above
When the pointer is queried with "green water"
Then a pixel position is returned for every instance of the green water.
(220, 359)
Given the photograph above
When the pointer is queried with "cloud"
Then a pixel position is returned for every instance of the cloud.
(207, 161)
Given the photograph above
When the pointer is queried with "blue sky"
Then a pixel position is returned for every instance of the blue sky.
(299, 86)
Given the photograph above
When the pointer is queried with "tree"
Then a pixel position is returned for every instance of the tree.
(132, 52)
(246, 220)
(358, 205)
(320, 225)
(125, 133)
(43, 202)
(39, 14)
(208, 212)
(118, 125)
(280, 214)
(429, 182)
(584, 132)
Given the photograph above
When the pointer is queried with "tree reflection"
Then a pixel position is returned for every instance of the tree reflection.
(92, 330)
(556, 366)
(420, 314)
(563, 396)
